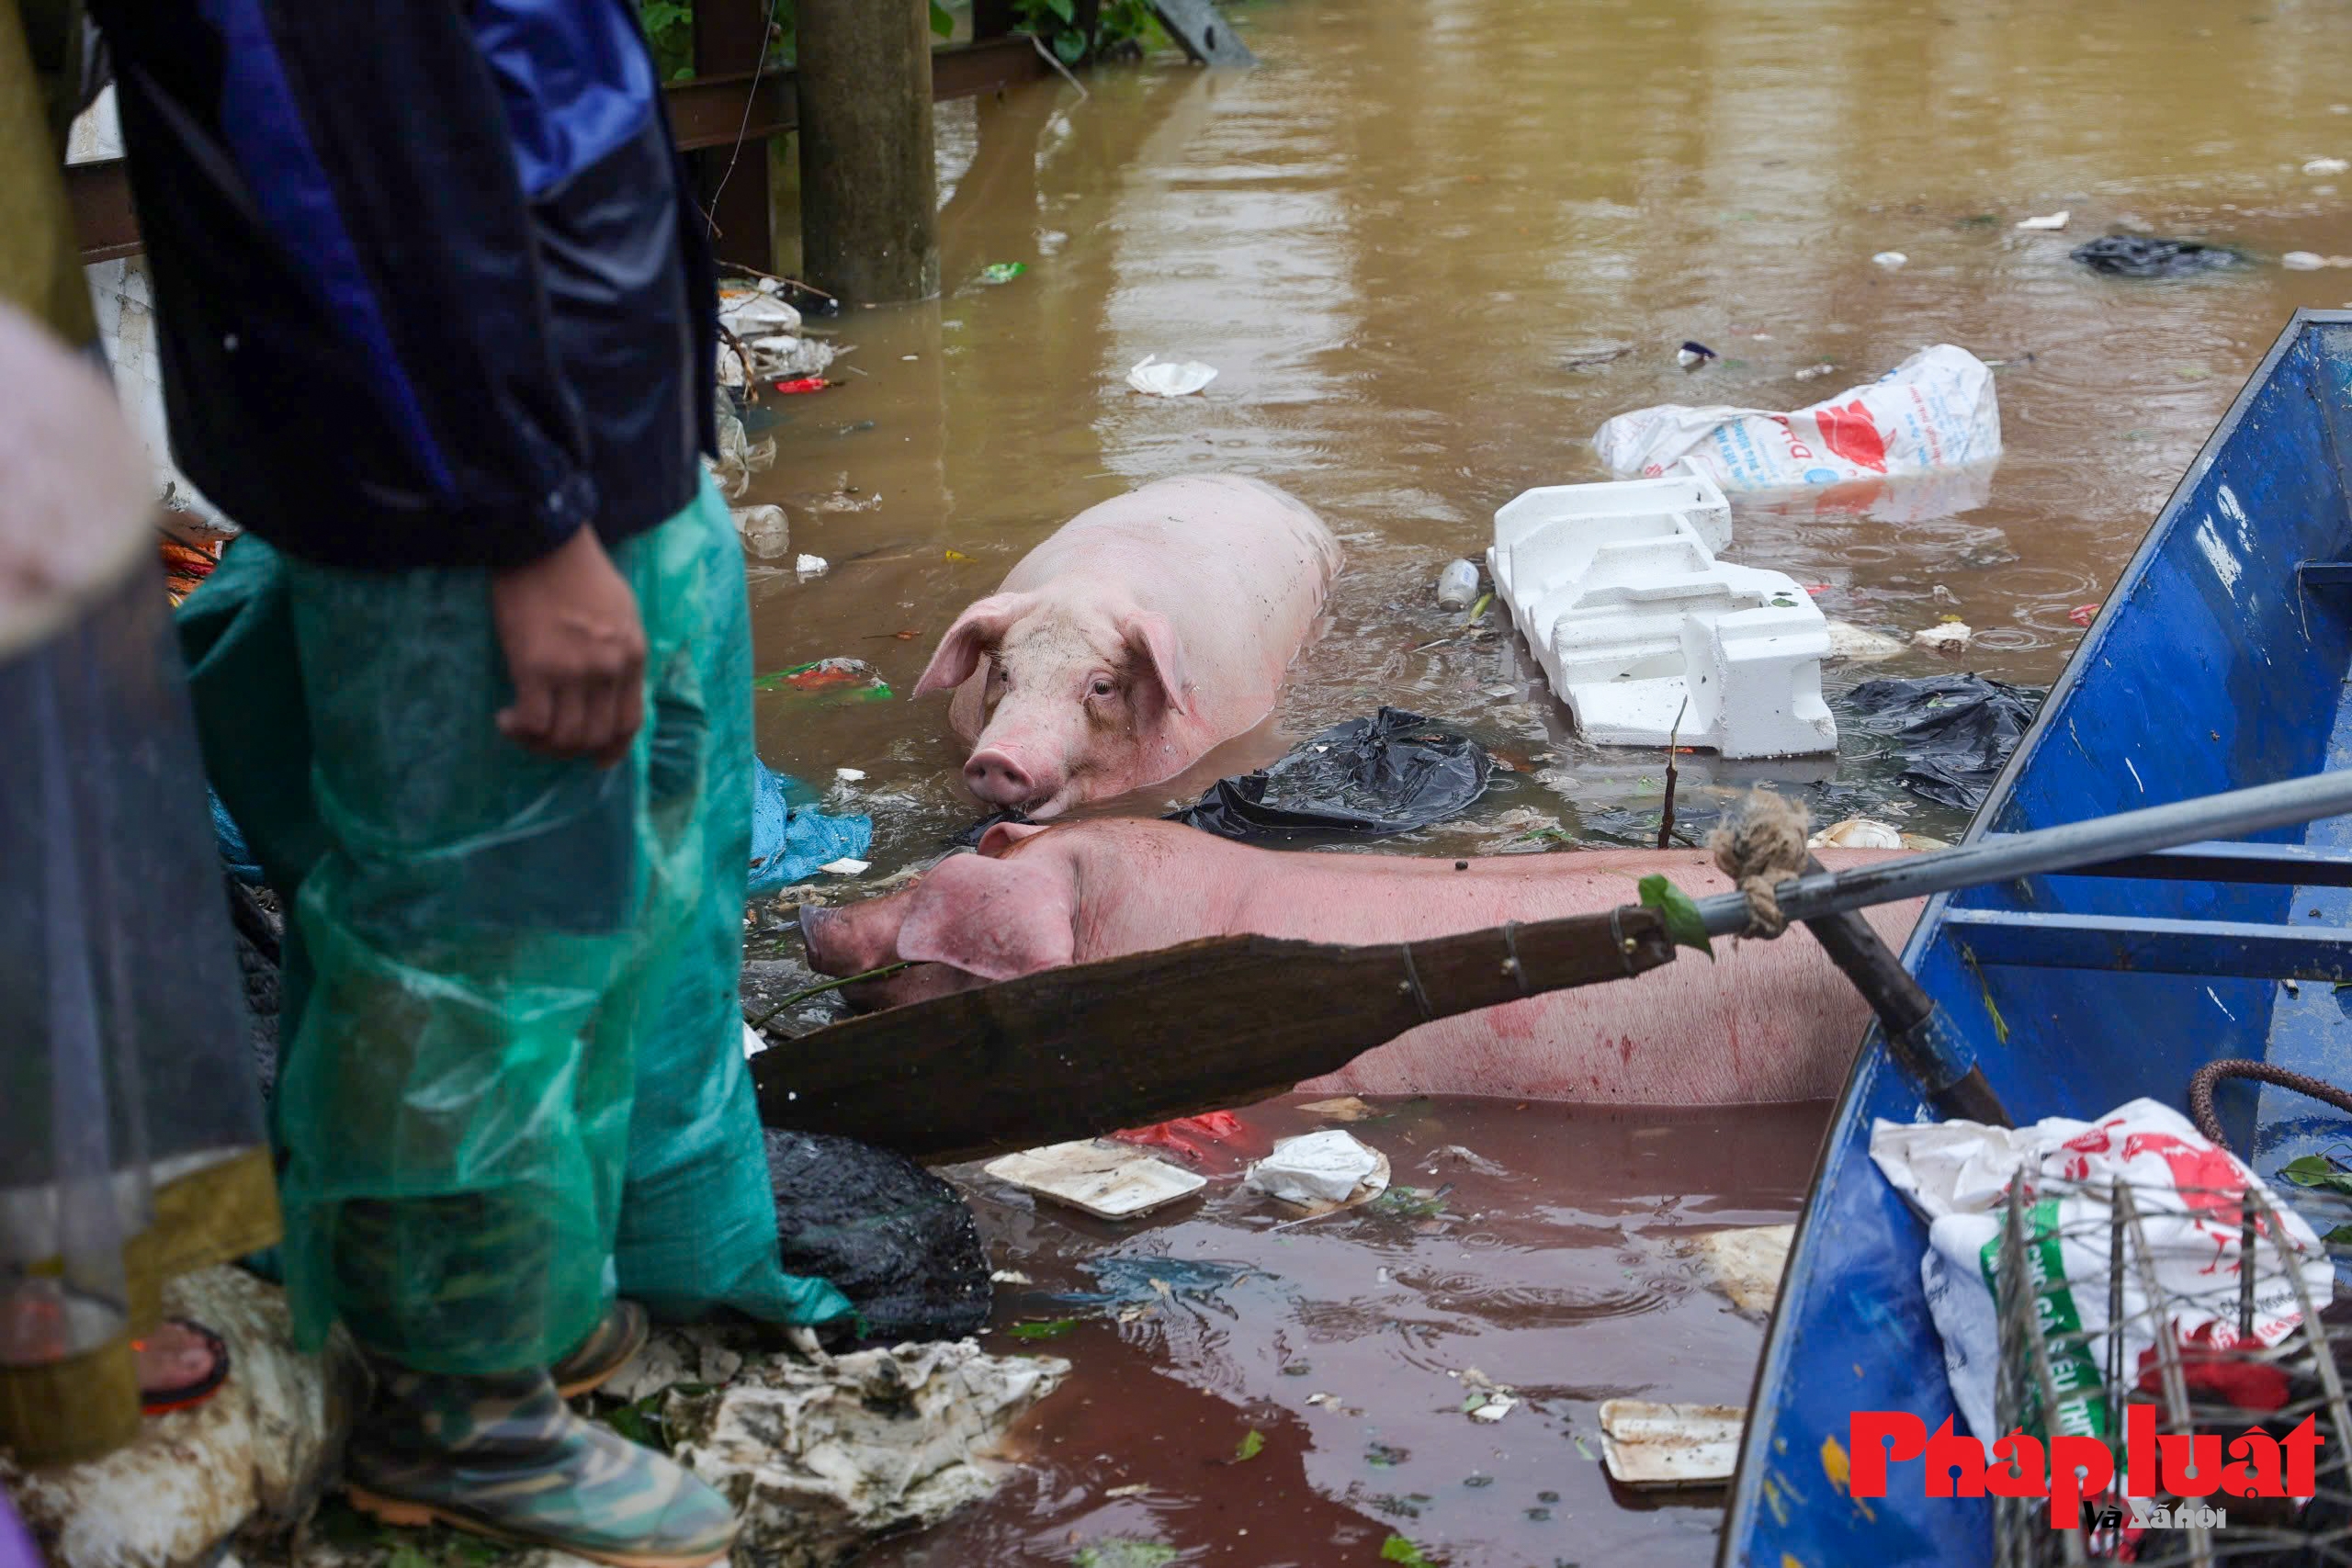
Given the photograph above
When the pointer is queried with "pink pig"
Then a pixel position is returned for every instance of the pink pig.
(1144, 632)
(1765, 1021)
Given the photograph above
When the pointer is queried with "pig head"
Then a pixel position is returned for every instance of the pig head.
(1065, 699)
(967, 920)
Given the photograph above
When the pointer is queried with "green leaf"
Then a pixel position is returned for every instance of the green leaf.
(1679, 910)
(2340, 1236)
(2318, 1170)
(1051, 1328)
(1479, 609)
(1397, 1549)
(1070, 47)
(407, 1556)
(1252, 1444)
(941, 23)
(1067, 10)
(1124, 1551)
(640, 1424)
(1002, 272)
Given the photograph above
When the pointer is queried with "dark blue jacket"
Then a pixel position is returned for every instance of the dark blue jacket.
(432, 288)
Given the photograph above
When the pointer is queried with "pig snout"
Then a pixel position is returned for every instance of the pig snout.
(997, 778)
(848, 941)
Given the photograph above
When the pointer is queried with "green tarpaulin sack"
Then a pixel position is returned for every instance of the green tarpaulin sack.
(509, 980)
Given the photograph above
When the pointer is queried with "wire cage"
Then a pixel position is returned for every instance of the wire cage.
(2125, 1313)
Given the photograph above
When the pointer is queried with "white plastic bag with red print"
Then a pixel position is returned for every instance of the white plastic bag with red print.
(1933, 412)
(2187, 1192)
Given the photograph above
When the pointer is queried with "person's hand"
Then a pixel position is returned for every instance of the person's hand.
(575, 650)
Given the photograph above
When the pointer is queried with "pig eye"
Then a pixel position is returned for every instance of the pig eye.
(1102, 686)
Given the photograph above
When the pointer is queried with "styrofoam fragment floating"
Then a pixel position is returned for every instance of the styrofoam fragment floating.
(1618, 591)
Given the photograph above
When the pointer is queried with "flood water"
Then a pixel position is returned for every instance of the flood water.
(1411, 243)
(1392, 237)
(1545, 1248)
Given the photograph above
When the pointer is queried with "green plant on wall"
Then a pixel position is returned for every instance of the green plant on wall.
(1120, 26)
(670, 27)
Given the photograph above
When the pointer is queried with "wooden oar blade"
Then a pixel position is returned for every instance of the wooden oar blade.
(1077, 1051)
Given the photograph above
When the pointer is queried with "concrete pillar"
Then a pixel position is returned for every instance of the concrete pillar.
(869, 182)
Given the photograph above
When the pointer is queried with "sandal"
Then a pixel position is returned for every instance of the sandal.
(188, 1382)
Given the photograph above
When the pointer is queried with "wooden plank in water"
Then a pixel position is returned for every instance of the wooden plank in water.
(1205, 34)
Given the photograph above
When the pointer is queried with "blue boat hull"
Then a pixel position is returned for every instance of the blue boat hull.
(2215, 663)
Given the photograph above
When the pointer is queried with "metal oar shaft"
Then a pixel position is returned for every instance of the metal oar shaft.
(2231, 815)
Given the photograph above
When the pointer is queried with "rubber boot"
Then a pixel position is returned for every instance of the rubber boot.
(619, 1335)
(505, 1458)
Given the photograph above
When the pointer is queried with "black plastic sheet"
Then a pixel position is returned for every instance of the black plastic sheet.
(1957, 731)
(895, 1239)
(1389, 773)
(2134, 256)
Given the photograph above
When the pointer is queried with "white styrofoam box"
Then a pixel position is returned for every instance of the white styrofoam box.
(1683, 491)
(1618, 591)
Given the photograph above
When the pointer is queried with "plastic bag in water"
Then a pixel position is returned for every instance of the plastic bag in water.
(1389, 773)
(1957, 730)
(788, 842)
(2134, 256)
(1935, 410)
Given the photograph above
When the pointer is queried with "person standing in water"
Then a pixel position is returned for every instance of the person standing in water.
(438, 328)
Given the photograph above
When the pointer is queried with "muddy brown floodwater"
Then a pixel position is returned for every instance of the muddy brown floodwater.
(1546, 1248)
(1413, 243)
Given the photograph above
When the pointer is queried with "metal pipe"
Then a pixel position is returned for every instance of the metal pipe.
(2229, 815)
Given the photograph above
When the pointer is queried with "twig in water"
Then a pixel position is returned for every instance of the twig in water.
(1048, 56)
(1666, 817)
(779, 277)
(806, 991)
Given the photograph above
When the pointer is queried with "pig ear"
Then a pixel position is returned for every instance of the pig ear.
(995, 918)
(976, 631)
(1001, 837)
(1158, 656)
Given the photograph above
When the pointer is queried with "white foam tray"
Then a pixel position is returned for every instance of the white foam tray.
(1618, 591)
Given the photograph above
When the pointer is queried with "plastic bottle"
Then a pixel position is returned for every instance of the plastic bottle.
(1457, 585)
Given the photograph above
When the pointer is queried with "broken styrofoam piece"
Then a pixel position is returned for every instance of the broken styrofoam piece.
(1110, 1181)
(1847, 640)
(1654, 1446)
(1169, 378)
(1950, 636)
(1748, 1262)
(1643, 634)
(1314, 1167)
(2051, 223)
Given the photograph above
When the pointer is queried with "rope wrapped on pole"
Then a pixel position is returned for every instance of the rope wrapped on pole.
(1760, 849)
